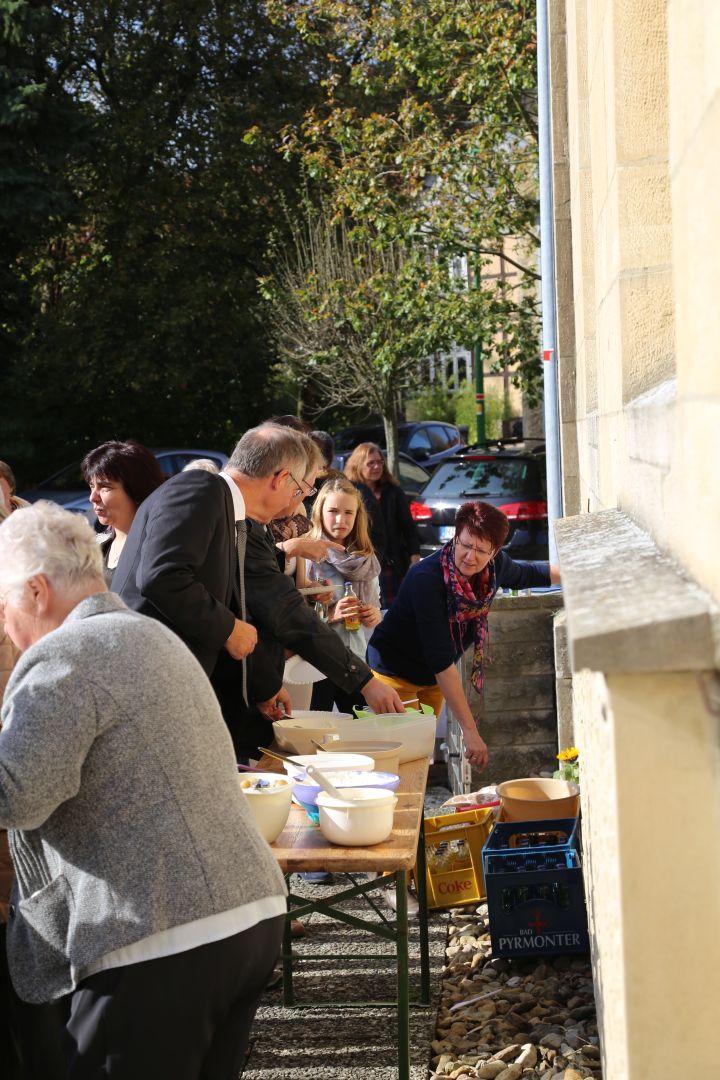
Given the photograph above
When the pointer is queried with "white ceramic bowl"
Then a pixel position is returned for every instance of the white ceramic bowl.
(328, 762)
(294, 734)
(386, 755)
(363, 817)
(414, 732)
(270, 806)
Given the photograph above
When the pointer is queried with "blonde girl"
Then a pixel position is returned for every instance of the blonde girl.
(339, 515)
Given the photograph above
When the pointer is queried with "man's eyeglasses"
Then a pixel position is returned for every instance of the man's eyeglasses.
(300, 489)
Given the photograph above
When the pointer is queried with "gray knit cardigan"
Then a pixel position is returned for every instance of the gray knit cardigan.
(118, 779)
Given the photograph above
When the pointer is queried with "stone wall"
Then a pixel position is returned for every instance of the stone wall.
(635, 100)
(517, 718)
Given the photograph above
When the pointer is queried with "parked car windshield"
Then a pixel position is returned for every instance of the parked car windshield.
(69, 479)
(487, 477)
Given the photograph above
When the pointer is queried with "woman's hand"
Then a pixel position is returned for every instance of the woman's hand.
(322, 597)
(347, 607)
(475, 749)
(369, 615)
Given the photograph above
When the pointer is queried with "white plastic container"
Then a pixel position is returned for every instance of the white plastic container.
(364, 816)
(329, 762)
(270, 806)
(414, 732)
(294, 734)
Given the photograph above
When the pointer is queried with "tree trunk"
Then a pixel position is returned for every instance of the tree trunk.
(391, 436)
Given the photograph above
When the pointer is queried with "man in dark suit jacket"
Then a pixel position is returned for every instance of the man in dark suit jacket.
(179, 565)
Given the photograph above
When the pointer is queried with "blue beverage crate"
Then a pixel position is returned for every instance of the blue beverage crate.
(535, 893)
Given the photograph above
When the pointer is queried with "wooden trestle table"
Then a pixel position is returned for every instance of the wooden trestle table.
(301, 847)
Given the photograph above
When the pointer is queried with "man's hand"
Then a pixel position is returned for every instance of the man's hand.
(303, 546)
(278, 707)
(242, 641)
(415, 559)
(475, 749)
(381, 697)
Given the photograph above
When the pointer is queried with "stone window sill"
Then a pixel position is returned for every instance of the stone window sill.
(629, 607)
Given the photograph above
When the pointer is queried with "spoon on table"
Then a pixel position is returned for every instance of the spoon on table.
(314, 773)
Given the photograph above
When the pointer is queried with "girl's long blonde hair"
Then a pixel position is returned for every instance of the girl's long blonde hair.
(358, 541)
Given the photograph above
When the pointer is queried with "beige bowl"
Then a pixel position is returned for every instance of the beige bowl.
(295, 733)
(270, 806)
(363, 817)
(415, 733)
(534, 798)
(385, 755)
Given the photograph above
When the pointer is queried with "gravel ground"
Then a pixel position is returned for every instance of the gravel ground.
(536, 1019)
(343, 1042)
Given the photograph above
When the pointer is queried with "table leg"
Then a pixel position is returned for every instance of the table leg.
(403, 976)
(421, 886)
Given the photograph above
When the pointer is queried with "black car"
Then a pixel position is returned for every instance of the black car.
(412, 478)
(512, 480)
(426, 441)
(69, 488)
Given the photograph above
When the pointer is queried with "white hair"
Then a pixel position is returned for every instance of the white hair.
(204, 463)
(45, 539)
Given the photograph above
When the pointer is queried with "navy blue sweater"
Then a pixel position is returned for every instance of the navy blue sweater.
(413, 641)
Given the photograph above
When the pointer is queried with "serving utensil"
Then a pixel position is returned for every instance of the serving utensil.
(314, 773)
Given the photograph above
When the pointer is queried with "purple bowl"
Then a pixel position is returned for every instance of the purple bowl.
(306, 792)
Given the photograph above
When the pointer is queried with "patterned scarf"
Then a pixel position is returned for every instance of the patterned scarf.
(465, 606)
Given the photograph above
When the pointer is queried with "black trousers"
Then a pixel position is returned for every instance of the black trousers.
(182, 1017)
(30, 1035)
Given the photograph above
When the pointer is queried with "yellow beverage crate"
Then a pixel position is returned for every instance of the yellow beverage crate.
(453, 852)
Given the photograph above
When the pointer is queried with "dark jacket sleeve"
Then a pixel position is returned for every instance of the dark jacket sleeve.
(266, 675)
(520, 575)
(376, 520)
(181, 538)
(281, 614)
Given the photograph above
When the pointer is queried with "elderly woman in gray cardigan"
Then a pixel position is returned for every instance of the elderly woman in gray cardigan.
(143, 885)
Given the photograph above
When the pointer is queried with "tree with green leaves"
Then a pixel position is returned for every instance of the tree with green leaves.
(426, 137)
(43, 134)
(355, 318)
(139, 300)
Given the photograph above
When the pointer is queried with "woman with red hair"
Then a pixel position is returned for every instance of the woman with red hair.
(442, 609)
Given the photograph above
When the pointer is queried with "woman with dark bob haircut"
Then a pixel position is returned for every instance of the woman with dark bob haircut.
(121, 475)
(442, 609)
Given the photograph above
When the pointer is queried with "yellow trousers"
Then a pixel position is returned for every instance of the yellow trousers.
(412, 693)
